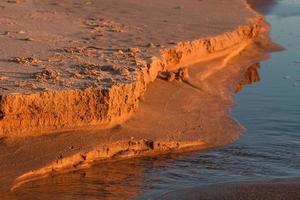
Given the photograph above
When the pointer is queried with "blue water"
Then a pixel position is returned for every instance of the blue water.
(270, 148)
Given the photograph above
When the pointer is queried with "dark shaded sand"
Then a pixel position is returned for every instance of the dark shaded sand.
(286, 189)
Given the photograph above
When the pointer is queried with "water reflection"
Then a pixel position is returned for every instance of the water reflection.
(111, 180)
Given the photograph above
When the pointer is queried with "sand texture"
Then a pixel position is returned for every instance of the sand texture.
(66, 65)
(82, 72)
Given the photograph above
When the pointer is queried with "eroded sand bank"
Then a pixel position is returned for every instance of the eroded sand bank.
(67, 65)
(95, 71)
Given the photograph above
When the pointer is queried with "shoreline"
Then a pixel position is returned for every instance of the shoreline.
(125, 145)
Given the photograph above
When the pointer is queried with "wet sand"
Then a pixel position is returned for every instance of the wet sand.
(262, 190)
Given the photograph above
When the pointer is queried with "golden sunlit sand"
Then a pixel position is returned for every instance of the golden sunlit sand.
(88, 81)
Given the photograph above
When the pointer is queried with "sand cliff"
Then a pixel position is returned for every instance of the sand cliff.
(71, 82)
(92, 75)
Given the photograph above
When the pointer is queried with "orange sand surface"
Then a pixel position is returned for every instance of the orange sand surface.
(66, 65)
(82, 71)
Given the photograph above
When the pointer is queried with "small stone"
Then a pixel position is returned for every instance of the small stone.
(47, 74)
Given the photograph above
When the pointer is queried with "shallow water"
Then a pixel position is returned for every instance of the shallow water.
(270, 110)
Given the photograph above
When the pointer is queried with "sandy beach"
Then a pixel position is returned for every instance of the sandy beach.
(88, 81)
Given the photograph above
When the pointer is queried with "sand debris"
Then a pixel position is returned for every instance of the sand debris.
(24, 60)
(171, 76)
(181, 74)
(100, 25)
(46, 74)
(74, 50)
(134, 50)
(27, 85)
(91, 69)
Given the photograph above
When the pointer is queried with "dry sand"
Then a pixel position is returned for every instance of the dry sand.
(66, 65)
(87, 64)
